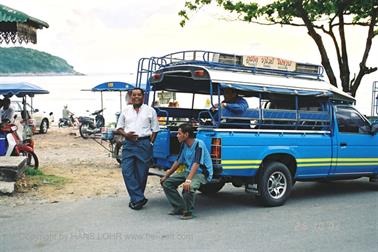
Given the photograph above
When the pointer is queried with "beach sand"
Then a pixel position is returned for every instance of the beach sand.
(88, 168)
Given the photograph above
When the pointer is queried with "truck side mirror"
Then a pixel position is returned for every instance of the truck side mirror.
(36, 110)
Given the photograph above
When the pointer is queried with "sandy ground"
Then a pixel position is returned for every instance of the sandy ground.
(89, 169)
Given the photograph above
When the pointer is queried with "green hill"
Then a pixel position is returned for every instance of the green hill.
(19, 60)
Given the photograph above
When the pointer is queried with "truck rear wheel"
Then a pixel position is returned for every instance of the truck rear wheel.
(274, 184)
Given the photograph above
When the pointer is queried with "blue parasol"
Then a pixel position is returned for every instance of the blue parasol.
(20, 89)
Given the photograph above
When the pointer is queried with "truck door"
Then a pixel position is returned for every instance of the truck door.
(357, 148)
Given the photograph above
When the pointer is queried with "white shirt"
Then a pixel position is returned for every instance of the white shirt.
(143, 123)
(7, 114)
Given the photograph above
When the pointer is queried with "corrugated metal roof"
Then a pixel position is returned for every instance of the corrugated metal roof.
(11, 15)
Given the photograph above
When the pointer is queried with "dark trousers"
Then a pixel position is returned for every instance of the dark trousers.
(136, 160)
(186, 202)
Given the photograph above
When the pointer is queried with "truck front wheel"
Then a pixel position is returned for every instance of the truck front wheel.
(274, 184)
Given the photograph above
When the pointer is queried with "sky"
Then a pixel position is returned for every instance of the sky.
(109, 36)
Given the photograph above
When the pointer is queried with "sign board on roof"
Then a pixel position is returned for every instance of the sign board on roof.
(269, 62)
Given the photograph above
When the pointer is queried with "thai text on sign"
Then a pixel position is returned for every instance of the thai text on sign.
(269, 62)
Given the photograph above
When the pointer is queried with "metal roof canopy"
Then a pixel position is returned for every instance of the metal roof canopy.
(112, 86)
(16, 26)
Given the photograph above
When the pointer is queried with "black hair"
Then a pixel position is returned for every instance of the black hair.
(141, 90)
(187, 128)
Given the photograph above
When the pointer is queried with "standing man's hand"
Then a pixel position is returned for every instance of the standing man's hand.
(131, 136)
(186, 185)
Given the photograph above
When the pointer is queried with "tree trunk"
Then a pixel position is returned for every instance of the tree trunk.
(319, 42)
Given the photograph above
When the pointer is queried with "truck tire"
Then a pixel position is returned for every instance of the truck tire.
(274, 184)
(211, 188)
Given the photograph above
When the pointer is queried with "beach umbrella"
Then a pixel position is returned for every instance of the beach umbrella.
(112, 86)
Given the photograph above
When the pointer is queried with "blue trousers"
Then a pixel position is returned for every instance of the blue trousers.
(136, 160)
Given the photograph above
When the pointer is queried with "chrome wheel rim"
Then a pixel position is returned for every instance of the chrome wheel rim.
(277, 185)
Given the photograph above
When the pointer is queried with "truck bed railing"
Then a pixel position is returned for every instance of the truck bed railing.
(252, 118)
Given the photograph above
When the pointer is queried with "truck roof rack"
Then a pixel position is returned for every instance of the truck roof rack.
(245, 63)
(227, 62)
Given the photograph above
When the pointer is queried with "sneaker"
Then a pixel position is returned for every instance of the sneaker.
(176, 212)
(186, 216)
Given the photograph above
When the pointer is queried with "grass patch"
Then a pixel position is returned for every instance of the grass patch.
(35, 178)
(33, 172)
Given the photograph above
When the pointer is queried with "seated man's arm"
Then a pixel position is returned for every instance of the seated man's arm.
(240, 106)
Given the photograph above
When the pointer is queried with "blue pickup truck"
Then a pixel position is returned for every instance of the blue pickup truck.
(298, 127)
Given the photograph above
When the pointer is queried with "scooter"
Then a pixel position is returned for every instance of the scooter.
(91, 126)
(72, 121)
(17, 147)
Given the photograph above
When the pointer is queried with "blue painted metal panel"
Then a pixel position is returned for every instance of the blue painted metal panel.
(162, 144)
(313, 151)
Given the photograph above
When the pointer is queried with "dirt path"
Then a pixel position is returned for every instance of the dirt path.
(89, 170)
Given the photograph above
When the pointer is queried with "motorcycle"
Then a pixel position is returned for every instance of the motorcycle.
(91, 126)
(72, 121)
(18, 147)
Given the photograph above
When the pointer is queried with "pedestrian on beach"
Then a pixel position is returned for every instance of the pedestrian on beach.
(139, 125)
(199, 170)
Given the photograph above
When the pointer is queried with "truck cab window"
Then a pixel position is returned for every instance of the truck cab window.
(350, 121)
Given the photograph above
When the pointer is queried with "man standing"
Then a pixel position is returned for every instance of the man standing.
(199, 170)
(139, 125)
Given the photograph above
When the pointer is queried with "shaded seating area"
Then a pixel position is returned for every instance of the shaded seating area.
(16, 26)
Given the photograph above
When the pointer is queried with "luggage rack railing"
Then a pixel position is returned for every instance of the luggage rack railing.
(232, 62)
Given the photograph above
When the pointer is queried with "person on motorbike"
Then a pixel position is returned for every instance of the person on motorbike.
(66, 113)
(67, 117)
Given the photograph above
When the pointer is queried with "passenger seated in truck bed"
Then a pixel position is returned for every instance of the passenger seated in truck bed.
(234, 105)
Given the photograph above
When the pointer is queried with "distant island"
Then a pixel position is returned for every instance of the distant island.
(26, 61)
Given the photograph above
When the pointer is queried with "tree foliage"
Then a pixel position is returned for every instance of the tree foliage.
(322, 18)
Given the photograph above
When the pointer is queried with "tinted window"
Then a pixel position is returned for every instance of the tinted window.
(349, 120)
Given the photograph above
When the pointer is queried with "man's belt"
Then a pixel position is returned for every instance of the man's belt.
(143, 138)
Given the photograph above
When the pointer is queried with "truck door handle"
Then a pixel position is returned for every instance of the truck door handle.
(343, 144)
